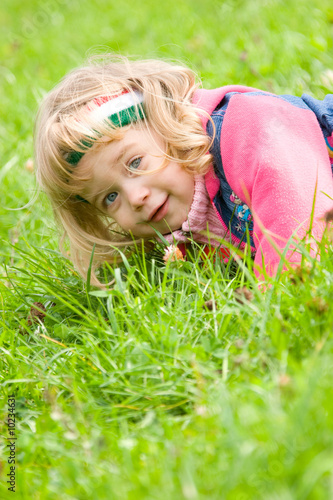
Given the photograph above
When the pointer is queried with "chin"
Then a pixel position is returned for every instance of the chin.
(177, 226)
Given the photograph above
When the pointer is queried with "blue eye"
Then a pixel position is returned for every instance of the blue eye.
(135, 163)
(110, 198)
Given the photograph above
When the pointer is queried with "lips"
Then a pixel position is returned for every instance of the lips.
(160, 212)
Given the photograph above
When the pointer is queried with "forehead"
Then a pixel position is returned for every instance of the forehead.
(111, 150)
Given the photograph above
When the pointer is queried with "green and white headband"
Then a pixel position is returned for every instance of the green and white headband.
(120, 110)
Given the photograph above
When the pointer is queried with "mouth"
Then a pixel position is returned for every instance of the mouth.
(161, 211)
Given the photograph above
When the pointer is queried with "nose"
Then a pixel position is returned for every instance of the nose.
(138, 195)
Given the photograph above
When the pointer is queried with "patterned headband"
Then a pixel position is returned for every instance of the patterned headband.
(120, 110)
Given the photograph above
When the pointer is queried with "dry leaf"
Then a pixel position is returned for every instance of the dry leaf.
(36, 315)
(243, 294)
(209, 304)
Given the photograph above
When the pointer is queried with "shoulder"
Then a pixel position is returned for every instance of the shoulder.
(264, 124)
(208, 100)
(262, 110)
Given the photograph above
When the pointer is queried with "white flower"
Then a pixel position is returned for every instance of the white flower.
(172, 253)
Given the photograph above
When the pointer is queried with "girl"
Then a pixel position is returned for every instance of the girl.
(128, 150)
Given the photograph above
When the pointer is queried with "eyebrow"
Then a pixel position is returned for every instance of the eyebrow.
(120, 156)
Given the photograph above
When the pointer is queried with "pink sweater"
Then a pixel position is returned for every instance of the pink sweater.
(275, 159)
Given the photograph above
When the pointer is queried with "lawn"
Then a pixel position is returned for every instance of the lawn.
(170, 384)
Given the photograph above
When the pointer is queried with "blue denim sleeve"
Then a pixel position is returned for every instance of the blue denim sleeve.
(235, 213)
(323, 111)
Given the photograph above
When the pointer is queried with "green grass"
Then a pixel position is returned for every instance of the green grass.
(141, 391)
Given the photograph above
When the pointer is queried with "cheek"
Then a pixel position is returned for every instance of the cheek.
(182, 183)
(191, 189)
(123, 221)
(187, 185)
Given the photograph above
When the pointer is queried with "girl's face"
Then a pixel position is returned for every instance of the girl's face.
(139, 203)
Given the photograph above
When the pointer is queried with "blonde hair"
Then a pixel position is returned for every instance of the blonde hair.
(167, 93)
